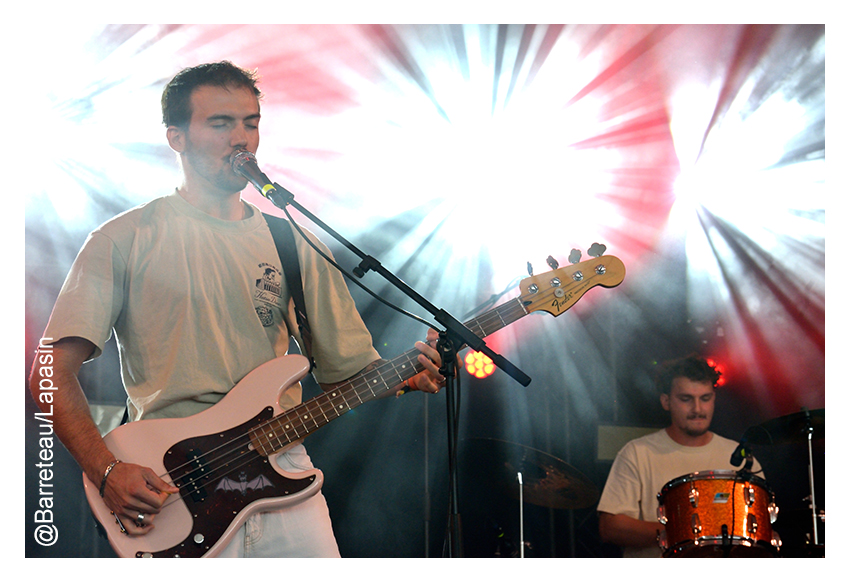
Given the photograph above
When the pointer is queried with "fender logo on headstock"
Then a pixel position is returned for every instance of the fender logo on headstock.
(563, 302)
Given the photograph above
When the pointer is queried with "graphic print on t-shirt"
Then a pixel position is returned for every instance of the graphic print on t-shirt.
(267, 293)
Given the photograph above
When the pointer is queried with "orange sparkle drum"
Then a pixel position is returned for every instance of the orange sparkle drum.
(715, 514)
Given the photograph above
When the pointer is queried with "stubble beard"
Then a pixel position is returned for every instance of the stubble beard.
(222, 178)
(696, 432)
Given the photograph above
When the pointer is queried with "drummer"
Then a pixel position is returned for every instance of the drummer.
(629, 504)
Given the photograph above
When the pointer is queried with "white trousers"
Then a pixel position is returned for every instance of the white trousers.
(300, 531)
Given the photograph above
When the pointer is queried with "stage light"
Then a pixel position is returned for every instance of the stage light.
(479, 365)
(720, 368)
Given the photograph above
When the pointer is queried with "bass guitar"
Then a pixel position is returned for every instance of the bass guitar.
(223, 460)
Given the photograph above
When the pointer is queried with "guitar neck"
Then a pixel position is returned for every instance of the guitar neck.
(298, 422)
(553, 292)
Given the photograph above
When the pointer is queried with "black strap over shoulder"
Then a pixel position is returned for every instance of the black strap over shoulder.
(284, 240)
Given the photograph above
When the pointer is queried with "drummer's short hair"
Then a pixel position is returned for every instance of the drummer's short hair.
(692, 367)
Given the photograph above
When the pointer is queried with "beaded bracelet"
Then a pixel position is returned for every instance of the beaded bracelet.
(106, 474)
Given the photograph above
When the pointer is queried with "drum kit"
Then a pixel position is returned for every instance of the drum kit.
(716, 513)
(731, 513)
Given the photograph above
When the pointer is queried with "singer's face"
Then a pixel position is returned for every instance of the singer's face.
(691, 406)
(223, 120)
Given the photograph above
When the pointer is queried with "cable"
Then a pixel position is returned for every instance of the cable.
(351, 277)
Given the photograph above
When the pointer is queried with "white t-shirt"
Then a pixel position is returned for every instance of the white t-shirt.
(645, 465)
(196, 303)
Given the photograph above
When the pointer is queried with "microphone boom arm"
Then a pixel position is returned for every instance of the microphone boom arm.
(281, 197)
(244, 164)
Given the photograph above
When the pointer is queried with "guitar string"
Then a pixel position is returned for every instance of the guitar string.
(229, 461)
(367, 380)
(344, 393)
(294, 418)
(293, 412)
(230, 467)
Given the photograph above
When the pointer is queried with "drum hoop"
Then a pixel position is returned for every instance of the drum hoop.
(707, 541)
(725, 475)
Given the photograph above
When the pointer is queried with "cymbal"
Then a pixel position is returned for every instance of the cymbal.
(791, 428)
(547, 481)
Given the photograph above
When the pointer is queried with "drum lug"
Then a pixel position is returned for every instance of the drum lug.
(751, 496)
(752, 523)
(693, 496)
(696, 525)
(662, 539)
(773, 512)
(662, 515)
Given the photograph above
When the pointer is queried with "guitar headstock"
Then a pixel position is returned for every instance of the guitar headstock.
(558, 290)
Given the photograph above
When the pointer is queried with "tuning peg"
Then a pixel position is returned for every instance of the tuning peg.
(575, 256)
(596, 250)
(553, 264)
(530, 270)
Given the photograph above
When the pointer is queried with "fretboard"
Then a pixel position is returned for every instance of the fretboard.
(298, 422)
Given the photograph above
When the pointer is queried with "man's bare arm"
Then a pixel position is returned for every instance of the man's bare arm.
(131, 490)
(626, 531)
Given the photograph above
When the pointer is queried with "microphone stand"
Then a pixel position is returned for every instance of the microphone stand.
(452, 339)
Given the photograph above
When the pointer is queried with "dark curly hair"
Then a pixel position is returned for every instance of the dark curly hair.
(692, 367)
(176, 97)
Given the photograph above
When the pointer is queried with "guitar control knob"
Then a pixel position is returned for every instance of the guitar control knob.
(198, 538)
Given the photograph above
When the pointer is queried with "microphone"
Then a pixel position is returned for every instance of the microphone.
(244, 163)
(741, 453)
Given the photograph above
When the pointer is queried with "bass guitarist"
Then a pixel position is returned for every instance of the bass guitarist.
(193, 287)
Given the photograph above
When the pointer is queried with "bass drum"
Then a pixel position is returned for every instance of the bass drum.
(717, 514)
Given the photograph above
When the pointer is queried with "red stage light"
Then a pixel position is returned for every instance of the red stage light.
(720, 368)
(479, 365)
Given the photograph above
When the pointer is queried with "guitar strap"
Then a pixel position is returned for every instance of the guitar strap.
(284, 240)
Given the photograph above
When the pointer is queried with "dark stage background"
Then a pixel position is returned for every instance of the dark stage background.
(457, 154)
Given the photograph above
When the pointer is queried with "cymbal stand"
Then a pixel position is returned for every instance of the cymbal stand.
(521, 519)
(810, 429)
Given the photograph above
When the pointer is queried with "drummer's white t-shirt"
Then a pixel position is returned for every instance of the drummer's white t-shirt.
(646, 464)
